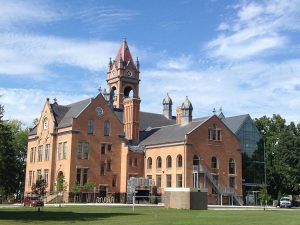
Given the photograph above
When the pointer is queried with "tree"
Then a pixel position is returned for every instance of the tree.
(7, 158)
(89, 187)
(264, 197)
(20, 134)
(61, 184)
(39, 188)
(75, 189)
(282, 154)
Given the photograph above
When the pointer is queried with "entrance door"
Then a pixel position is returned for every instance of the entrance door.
(102, 191)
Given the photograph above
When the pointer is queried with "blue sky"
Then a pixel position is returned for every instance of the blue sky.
(243, 56)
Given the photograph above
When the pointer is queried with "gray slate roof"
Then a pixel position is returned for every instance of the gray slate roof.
(234, 123)
(148, 120)
(170, 134)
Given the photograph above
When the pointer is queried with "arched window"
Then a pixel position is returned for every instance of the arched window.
(231, 166)
(106, 128)
(169, 161)
(179, 161)
(196, 160)
(128, 92)
(214, 163)
(158, 162)
(149, 163)
(46, 124)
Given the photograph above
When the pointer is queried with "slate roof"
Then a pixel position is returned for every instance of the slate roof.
(170, 134)
(234, 123)
(63, 114)
(148, 120)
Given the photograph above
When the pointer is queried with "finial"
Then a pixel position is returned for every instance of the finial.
(220, 109)
(47, 99)
(214, 111)
(99, 89)
(124, 39)
(55, 100)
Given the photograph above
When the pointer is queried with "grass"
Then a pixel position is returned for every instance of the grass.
(145, 216)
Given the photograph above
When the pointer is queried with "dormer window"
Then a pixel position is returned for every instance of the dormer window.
(214, 133)
(46, 124)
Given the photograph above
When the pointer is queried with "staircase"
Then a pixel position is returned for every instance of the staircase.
(225, 191)
(53, 198)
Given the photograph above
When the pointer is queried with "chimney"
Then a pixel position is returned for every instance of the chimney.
(131, 118)
(178, 115)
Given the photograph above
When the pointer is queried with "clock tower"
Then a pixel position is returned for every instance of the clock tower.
(123, 76)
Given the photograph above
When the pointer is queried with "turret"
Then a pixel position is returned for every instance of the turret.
(167, 107)
(187, 112)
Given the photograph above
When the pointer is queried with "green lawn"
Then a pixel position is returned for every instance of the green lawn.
(112, 216)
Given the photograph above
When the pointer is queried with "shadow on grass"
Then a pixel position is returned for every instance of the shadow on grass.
(57, 216)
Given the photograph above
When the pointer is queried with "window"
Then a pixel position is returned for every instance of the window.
(214, 163)
(65, 150)
(216, 177)
(149, 163)
(31, 154)
(109, 165)
(169, 180)
(130, 161)
(158, 162)
(34, 154)
(79, 150)
(135, 161)
(214, 133)
(102, 149)
(231, 166)
(178, 180)
(78, 175)
(109, 147)
(158, 180)
(30, 178)
(39, 175)
(106, 130)
(114, 181)
(40, 153)
(47, 152)
(46, 124)
(85, 176)
(90, 128)
(179, 161)
(169, 161)
(59, 152)
(46, 174)
(102, 169)
(232, 182)
(86, 150)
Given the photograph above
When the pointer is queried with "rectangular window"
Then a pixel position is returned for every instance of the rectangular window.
(232, 182)
(102, 149)
(78, 175)
(31, 154)
(65, 150)
(46, 175)
(39, 174)
(85, 176)
(30, 178)
(178, 180)
(109, 147)
(106, 130)
(102, 169)
(169, 180)
(114, 181)
(130, 161)
(109, 165)
(34, 154)
(47, 152)
(59, 151)
(149, 176)
(135, 162)
(40, 153)
(79, 150)
(90, 129)
(158, 180)
(86, 150)
(216, 177)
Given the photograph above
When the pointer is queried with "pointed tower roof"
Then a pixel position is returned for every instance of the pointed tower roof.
(124, 53)
(187, 104)
(167, 100)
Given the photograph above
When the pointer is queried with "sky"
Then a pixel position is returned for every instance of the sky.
(241, 55)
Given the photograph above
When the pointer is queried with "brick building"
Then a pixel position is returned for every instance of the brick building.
(107, 139)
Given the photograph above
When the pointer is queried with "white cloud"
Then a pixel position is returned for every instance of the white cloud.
(257, 28)
(27, 104)
(32, 55)
(179, 63)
